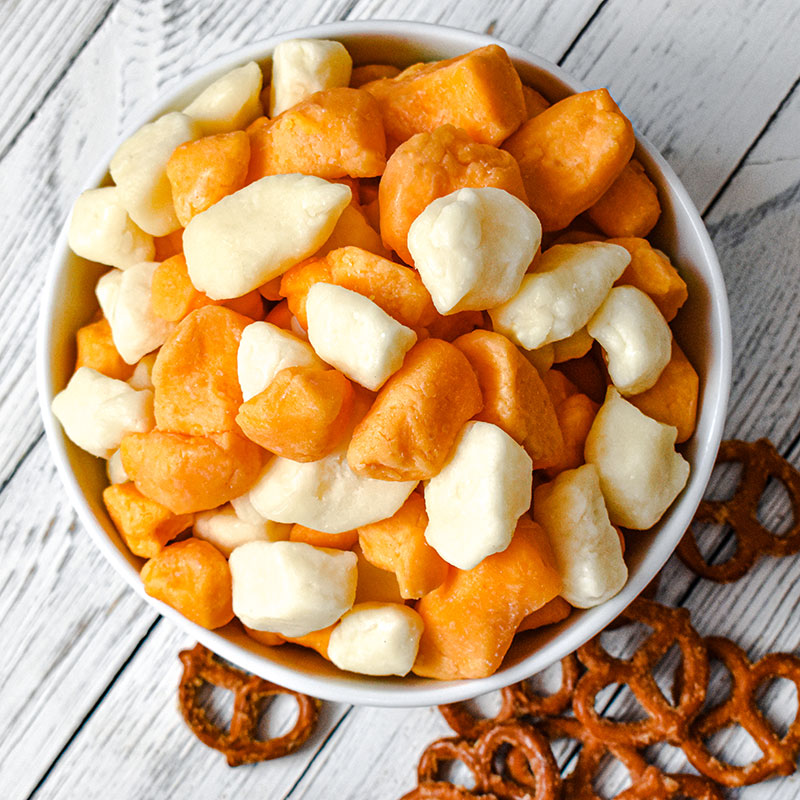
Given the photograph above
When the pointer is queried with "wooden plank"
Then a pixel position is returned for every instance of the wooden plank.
(68, 623)
(39, 41)
(138, 743)
(699, 79)
(546, 29)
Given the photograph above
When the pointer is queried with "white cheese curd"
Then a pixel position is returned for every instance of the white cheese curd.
(264, 350)
(376, 639)
(96, 412)
(640, 472)
(325, 495)
(472, 248)
(301, 67)
(114, 469)
(245, 511)
(139, 169)
(223, 528)
(474, 503)
(570, 283)
(142, 377)
(101, 230)
(260, 231)
(291, 588)
(635, 337)
(231, 103)
(586, 546)
(125, 298)
(355, 335)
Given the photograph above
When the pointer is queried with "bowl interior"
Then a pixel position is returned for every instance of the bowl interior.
(702, 327)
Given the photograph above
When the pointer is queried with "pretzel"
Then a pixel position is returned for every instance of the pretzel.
(240, 745)
(579, 784)
(666, 722)
(648, 782)
(518, 700)
(528, 746)
(779, 753)
(760, 461)
(441, 790)
(656, 785)
(535, 777)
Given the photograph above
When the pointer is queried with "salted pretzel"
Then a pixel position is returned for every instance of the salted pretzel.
(240, 744)
(760, 462)
(665, 722)
(536, 776)
(779, 753)
(518, 700)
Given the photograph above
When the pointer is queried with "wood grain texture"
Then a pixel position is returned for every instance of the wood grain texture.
(68, 639)
(40, 41)
(138, 743)
(68, 623)
(699, 79)
(542, 27)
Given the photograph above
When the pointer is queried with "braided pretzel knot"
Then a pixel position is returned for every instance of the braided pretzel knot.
(779, 753)
(666, 722)
(760, 462)
(539, 780)
(518, 700)
(240, 744)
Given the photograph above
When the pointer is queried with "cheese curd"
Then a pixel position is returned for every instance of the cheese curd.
(223, 528)
(101, 230)
(260, 231)
(325, 495)
(472, 248)
(243, 509)
(264, 350)
(96, 412)
(635, 337)
(125, 299)
(291, 588)
(301, 67)
(376, 639)
(474, 503)
(586, 545)
(640, 472)
(114, 469)
(142, 377)
(355, 335)
(570, 283)
(139, 169)
(230, 102)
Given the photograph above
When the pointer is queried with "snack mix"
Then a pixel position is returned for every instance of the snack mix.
(373, 356)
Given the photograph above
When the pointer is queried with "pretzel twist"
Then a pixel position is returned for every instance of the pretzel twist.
(760, 462)
(665, 722)
(240, 744)
(779, 753)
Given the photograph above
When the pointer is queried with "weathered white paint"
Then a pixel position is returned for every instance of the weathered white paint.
(701, 84)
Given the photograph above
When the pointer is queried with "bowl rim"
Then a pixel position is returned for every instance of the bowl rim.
(390, 694)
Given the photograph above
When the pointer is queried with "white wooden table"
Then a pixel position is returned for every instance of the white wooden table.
(88, 673)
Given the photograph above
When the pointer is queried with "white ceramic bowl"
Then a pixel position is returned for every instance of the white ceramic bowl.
(702, 327)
